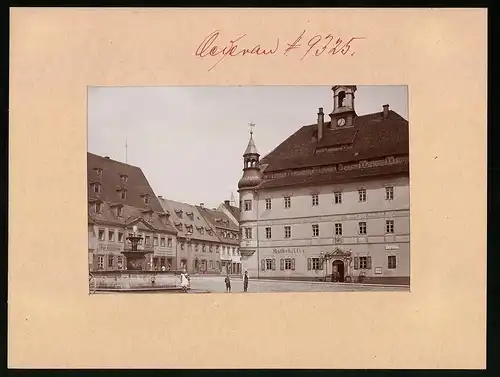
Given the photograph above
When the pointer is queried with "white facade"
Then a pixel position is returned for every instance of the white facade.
(365, 214)
(107, 242)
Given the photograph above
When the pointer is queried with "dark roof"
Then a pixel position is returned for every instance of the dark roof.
(129, 216)
(222, 224)
(137, 185)
(371, 136)
(235, 211)
(184, 216)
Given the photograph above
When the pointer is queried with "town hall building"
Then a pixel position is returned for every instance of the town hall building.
(332, 199)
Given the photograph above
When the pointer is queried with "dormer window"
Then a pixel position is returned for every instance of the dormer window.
(122, 193)
(97, 187)
(145, 197)
(98, 172)
(178, 212)
(124, 178)
(98, 207)
(119, 211)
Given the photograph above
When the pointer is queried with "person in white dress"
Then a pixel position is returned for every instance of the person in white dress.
(184, 281)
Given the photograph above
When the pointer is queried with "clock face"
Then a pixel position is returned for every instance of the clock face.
(341, 122)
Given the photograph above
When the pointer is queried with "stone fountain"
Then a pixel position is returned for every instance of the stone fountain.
(137, 275)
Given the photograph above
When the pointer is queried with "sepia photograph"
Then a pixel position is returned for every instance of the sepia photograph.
(248, 189)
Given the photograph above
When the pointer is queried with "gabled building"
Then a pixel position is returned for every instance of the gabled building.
(337, 188)
(116, 182)
(119, 197)
(229, 237)
(230, 210)
(198, 243)
(111, 223)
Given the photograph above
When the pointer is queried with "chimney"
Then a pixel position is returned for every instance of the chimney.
(107, 157)
(386, 111)
(160, 197)
(226, 202)
(321, 123)
(202, 205)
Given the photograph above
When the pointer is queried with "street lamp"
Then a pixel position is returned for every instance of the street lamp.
(188, 241)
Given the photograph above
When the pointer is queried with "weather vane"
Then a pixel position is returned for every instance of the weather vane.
(252, 125)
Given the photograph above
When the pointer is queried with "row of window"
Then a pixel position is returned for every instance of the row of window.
(123, 177)
(360, 263)
(337, 199)
(114, 236)
(338, 230)
(195, 246)
(122, 193)
(99, 172)
(114, 262)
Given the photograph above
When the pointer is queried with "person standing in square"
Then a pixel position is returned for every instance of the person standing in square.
(245, 282)
(228, 283)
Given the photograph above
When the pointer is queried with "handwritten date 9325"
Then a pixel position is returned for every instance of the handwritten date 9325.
(316, 45)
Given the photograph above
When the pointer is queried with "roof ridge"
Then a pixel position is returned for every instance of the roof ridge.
(113, 160)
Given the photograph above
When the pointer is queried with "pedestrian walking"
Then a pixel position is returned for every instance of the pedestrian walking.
(245, 282)
(228, 283)
(184, 281)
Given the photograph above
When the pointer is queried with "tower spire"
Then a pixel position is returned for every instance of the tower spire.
(251, 148)
(252, 175)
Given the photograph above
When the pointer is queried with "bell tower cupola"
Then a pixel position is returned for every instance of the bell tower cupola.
(343, 113)
(252, 175)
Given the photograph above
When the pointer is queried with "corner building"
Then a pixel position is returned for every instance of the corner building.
(338, 188)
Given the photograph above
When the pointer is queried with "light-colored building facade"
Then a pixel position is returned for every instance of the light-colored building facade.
(338, 189)
(197, 248)
(227, 231)
(109, 227)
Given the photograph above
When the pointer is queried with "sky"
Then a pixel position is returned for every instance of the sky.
(189, 141)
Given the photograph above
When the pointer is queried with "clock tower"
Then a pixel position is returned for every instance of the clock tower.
(343, 113)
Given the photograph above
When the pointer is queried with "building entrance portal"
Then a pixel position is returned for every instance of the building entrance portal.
(338, 271)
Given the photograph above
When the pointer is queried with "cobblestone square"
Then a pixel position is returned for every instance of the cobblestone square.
(215, 284)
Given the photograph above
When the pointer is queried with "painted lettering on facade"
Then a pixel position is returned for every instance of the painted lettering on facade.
(363, 164)
(288, 251)
(106, 247)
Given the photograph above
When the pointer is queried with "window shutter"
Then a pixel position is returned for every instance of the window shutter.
(369, 263)
(274, 264)
(262, 264)
(282, 264)
(356, 263)
(309, 261)
(293, 264)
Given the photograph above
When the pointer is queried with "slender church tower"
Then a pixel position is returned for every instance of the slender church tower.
(247, 188)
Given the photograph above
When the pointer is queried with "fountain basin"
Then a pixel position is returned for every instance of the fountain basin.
(134, 280)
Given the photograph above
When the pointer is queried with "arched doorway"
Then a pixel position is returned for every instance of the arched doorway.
(338, 270)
